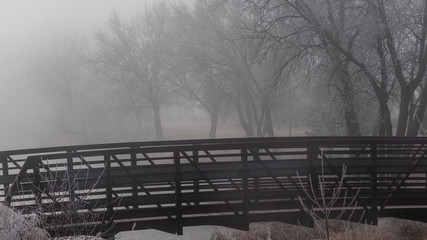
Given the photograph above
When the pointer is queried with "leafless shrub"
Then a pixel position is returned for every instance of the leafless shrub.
(319, 205)
(67, 204)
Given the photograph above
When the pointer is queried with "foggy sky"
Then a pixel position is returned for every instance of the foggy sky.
(26, 28)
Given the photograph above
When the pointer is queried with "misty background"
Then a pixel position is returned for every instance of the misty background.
(80, 72)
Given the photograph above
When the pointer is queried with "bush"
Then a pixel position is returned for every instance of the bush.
(15, 226)
(64, 205)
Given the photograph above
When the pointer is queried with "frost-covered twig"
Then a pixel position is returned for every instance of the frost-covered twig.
(319, 205)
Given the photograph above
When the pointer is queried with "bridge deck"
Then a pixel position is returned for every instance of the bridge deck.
(231, 182)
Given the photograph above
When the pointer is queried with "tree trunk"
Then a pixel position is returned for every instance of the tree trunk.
(214, 124)
(268, 124)
(418, 116)
(246, 125)
(402, 122)
(348, 95)
(385, 121)
(258, 121)
(350, 116)
(157, 121)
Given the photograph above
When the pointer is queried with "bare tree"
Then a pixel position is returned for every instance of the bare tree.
(67, 83)
(194, 68)
(384, 40)
(133, 56)
(244, 79)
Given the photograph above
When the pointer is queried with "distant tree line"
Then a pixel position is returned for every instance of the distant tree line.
(360, 62)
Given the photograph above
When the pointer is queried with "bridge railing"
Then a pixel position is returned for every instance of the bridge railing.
(224, 181)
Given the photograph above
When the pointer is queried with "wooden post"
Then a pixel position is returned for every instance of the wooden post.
(196, 182)
(245, 189)
(178, 196)
(374, 179)
(256, 157)
(108, 186)
(133, 164)
(37, 186)
(311, 170)
(311, 174)
(70, 171)
(5, 174)
(311, 158)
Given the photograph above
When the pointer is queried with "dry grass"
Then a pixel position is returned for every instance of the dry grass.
(388, 229)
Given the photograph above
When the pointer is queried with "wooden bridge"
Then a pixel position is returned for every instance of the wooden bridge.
(167, 185)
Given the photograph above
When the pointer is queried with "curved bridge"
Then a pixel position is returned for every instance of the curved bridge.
(230, 182)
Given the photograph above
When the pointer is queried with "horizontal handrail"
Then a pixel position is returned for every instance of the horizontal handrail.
(323, 140)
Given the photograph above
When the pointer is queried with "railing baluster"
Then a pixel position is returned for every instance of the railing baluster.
(245, 189)
(5, 172)
(256, 157)
(311, 170)
(374, 179)
(312, 178)
(70, 170)
(108, 186)
(178, 194)
(37, 186)
(133, 164)
(196, 182)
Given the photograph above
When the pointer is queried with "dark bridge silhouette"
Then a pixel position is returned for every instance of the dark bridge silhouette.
(230, 182)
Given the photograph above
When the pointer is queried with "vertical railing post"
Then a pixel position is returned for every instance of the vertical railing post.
(5, 174)
(70, 173)
(311, 170)
(196, 182)
(178, 194)
(245, 189)
(108, 186)
(133, 164)
(70, 167)
(37, 186)
(256, 157)
(312, 178)
(374, 179)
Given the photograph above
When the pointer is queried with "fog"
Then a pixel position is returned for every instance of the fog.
(30, 31)
(28, 28)
(82, 72)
